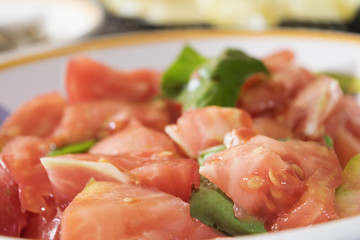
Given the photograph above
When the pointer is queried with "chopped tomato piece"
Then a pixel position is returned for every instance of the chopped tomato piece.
(44, 225)
(279, 60)
(312, 106)
(97, 119)
(122, 211)
(69, 176)
(199, 129)
(239, 136)
(70, 173)
(12, 219)
(270, 96)
(272, 128)
(176, 177)
(22, 157)
(267, 178)
(343, 126)
(316, 205)
(87, 80)
(38, 117)
(134, 138)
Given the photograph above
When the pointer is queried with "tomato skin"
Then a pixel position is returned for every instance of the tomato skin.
(22, 157)
(37, 117)
(87, 80)
(12, 219)
(123, 211)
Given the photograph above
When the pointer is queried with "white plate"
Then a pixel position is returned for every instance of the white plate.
(29, 21)
(23, 77)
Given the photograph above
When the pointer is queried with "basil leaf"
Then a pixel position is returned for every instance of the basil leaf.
(73, 148)
(349, 84)
(219, 81)
(215, 209)
(328, 141)
(178, 74)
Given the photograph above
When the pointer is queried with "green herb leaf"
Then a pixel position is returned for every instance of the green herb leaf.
(178, 74)
(219, 81)
(348, 83)
(74, 148)
(208, 152)
(215, 209)
(347, 196)
(284, 139)
(329, 141)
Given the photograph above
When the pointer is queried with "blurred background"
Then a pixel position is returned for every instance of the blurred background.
(32, 22)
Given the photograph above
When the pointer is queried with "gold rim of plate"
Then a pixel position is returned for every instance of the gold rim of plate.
(146, 37)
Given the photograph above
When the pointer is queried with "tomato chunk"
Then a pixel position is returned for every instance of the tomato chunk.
(22, 157)
(97, 119)
(122, 211)
(271, 96)
(12, 219)
(70, 173)
(44, 225)
(38, 117)
(69, 176)
(276, 180)
(87, 80)
(343, 125)
(312, 106)
(134, 138)
(198, 129)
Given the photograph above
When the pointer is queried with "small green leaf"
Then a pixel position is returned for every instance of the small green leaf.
(178, 74)
(215, 209)
(348, 83)
(347, 196)
(351, 173)
(219, 81)
(208, 152)
(328, 141)
(74, 148)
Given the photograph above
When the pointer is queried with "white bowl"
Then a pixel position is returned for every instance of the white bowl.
(24, 75)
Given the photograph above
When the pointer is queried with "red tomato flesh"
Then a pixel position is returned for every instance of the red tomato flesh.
(97, 119)
(70, 173)
(106, 210)
(87, 80)
(199, 129)
(267, 178)
(38, 117)
(22, 158)
(12, 219)
(134, 138)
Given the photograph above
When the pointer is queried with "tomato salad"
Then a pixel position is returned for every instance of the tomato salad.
(209, 148)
